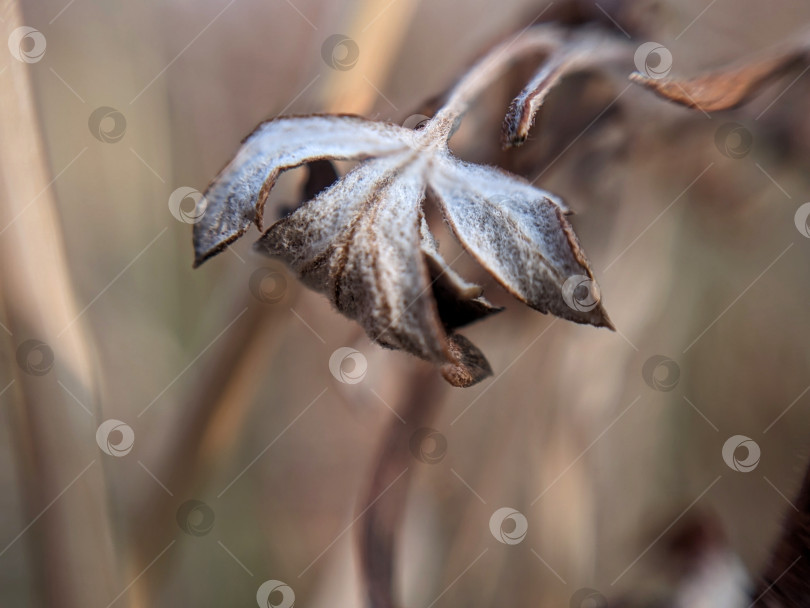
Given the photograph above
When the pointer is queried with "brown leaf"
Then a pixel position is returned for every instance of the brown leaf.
(728, 87)
(469, 366)
(584, 51)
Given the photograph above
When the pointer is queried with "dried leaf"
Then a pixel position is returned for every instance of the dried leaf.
(359, 244)
(519, 235)
(728, 87)
(469, 365)
(364, 243)
(584, 51)
(236, 197)
(459, 302)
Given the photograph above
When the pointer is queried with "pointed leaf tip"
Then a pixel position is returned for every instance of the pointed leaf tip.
(727, 87)
(471, 367)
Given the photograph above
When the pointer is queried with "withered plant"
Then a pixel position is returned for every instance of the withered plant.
(365, 243)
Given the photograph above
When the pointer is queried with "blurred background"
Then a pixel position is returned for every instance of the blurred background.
(235, 456)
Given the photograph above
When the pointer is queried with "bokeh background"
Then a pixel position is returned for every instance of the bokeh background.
(689, 225)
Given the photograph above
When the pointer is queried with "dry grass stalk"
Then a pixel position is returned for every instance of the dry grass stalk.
(60, 466)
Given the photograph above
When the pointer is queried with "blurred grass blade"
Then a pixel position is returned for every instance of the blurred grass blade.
(59, 462)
